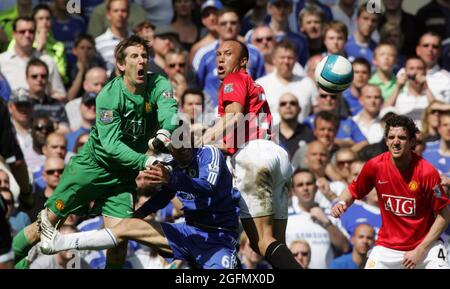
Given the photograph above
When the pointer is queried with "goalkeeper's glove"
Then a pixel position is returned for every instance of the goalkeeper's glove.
(161, 143)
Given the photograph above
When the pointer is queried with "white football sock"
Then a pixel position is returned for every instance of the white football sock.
(90, 240)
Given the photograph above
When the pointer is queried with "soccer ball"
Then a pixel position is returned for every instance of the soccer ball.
(334, 73)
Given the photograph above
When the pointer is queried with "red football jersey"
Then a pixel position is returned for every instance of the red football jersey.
(407, 200)
(240, 87)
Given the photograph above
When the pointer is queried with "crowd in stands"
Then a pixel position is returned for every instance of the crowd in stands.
(54, 63)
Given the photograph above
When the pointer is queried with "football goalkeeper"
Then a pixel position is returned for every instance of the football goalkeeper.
(131, 109)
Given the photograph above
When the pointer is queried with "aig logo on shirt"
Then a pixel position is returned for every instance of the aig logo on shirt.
(399, 206)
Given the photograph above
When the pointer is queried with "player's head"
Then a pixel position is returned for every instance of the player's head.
(131, 59)
(400, 135)
(231, 56)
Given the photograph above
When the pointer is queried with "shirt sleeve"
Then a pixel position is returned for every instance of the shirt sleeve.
(108, 123)
(166, 104)
(234, 89)
(436, 195)
(364, 183)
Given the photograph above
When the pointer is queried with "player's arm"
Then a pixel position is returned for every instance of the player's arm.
(440, 224)
(166, 104)
(109, 123)
(233, 111)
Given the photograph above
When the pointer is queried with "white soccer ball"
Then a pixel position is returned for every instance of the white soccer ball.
(334, 73)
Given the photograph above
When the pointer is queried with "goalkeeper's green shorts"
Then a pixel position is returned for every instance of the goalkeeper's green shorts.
(84, 181)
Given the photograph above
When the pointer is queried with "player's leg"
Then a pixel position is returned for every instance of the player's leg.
(384, 258)
(264, 200)
(115, 257)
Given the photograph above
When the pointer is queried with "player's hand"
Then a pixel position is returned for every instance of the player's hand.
(159, 174)
(338, 209)
(413, 257)
(161, 142)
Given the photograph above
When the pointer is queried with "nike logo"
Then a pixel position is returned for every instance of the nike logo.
(382, 182)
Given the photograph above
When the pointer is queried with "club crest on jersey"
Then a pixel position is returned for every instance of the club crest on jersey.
(228, 88)
(168, 94)
(413, 185)
(147, 107)
(437, 191)
(59, 205)
(106, 116)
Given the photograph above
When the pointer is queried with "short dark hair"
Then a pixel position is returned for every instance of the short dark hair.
(226, 10)
(244, 48)
(286, 44)
(40, 7)
(36, 62)
(195, 91)
(430, 33)
(327, 116)
(133, 40)
(362, 8)
(86, 37)
(401, 121)
(300, 171)
(23, 18)
(142, 25)
(108, 4)
(362, 61)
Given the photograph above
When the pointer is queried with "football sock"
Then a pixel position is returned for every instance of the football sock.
(90, 240)
(21, 245)
(280, 257)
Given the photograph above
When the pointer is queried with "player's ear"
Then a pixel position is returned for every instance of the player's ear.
(244, 61)
(120, 66)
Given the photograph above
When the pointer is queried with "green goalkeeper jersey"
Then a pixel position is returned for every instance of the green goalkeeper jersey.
(125, 122)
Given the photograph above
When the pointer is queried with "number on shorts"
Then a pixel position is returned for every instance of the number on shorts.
(441, 254)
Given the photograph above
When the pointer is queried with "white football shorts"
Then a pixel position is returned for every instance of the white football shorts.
(262, 174)
(384, 258)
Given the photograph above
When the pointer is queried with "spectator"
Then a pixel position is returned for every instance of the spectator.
(98, 23)
(439, 154)
(368, 119)
(257, 16)
(20, 108)
(146, 30)
(263, 38)
(407, 23)
(334, 37)
(429, 49)
(208, 12)
(283, 80)
(6, 252)
(362, 242)
(52, 171)
(86, 58)
(7, 17)
(299, 5)
(361, 75)
(117, 12)
(291, 133)
(204, 62)
(434, 17)
(360, 43)
(67, 28)
(430, 120)
(159, 12)
(87, 111)
(344, 159)
(37, 79)
(391, 34)
(348, 134)
(412, 93)
(183, 23)
(346, 12)
(279, 11)
(249, 258)
(192, 104)
(384, 58)
(80, 142)
(94, 80)
(62, 260)
(311, 22)
(178, 71)
(302, 252)
(17, 219)
(41, 127)
(166, 39)
(311, 223)
(13, 62)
